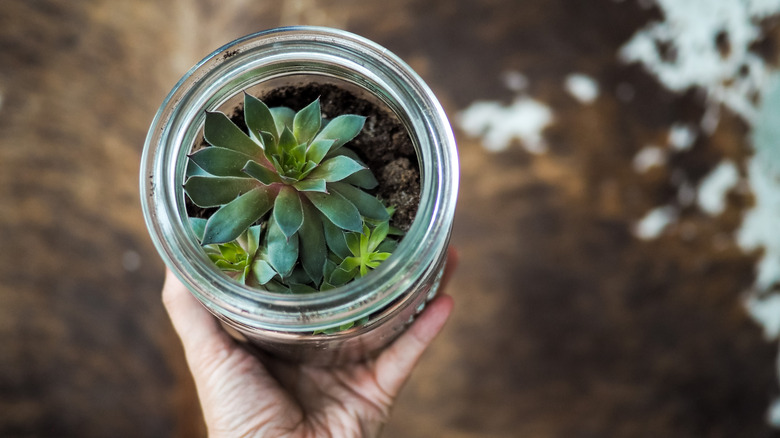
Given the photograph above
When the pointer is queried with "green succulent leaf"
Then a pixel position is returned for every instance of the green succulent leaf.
(288, 211)
(225, 265)
(289, 164)
(336, 169)
(244, 274)
(286, 142)
(283, 117)
(298, 288)
(219, 161)
(312, 244)
(282, 252)
(263, 271)
(350, 263)
(353, 243)
(250, 239)
(307, 168)
(376, 257)
(198, 226)
(261, 173)
(231, 252)
(194, 170)
(332, 330)
(341, 129)
(270, 144)
(211, 191)
(364, 249)
(258, 117)
(318, 149)
(278, 166)
(325, 286)
(232, 219)
(288, 180)
(340, 276)
(307, 122)
(298, 274)
(277, 287)
(364, 178)
(334, 236)
(377, 236)
(221, 132)
(369, 206)
(311, 185)
(298, 154)
(395, 231)
(389, 245)
(338, 209)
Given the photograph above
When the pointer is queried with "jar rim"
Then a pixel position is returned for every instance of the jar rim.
(215, 79)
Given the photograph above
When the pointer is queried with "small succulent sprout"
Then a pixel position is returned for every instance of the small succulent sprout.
(243, 259)
(364, 252)
(238, 259)
(293, 165)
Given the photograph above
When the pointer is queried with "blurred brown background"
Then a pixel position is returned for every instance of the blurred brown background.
(574, 317)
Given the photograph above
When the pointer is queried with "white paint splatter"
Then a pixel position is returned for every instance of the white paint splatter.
(711, 44)
(693, 57)
(649, 157)
(681, 136)
(711, 118)
(761, 226)
(707, 44)
(582, 87)
(515, 81)
(774, 413)
(498, 125)
(766, 132)
(715, 186)
(655, 222)
(765, 311)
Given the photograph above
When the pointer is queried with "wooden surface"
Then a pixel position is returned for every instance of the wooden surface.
(566, 323)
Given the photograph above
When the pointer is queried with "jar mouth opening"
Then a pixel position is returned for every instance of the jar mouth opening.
(260, 60)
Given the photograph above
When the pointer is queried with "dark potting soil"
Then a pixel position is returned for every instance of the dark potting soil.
(383, 144)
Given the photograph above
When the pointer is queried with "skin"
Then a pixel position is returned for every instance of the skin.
(248, 394)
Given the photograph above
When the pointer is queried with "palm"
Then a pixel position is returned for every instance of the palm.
(295, 400)
(341, 402)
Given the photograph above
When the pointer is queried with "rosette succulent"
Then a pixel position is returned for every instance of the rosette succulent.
(288, 183)
(237, 258)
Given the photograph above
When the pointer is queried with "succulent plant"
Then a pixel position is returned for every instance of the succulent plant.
(294, 168)
(366, 251)
(236, 258)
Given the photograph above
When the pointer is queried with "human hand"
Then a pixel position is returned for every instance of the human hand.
(243, 394)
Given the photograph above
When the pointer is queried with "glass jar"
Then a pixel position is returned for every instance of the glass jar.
(284, 324)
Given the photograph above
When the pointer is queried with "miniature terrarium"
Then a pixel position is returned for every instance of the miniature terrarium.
(301, 182)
